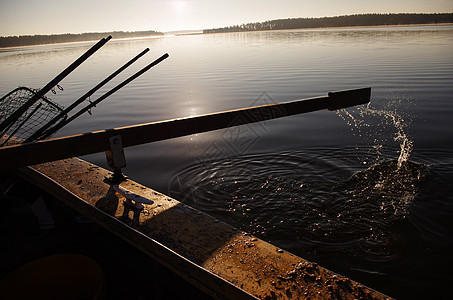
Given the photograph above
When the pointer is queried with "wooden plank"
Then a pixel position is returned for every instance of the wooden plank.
(224, 262)
(98, 141)
(81, 186)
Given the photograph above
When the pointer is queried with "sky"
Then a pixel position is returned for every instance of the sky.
(29, 17)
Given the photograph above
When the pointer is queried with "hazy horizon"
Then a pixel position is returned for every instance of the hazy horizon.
(25, 17)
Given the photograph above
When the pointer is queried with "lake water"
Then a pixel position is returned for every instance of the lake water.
(365, 192)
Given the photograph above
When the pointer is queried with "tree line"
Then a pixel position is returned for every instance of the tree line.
(340, 21)
(27, 40)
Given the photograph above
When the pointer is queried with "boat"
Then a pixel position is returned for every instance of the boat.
(37, 230)
(221, 261)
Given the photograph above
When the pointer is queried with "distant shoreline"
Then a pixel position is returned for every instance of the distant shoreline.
(339, 22)
(82, 42)
(231, 32)
(327, 28)
(36, 40)
(359, 20)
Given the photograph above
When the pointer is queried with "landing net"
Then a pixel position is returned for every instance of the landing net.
(36, 116)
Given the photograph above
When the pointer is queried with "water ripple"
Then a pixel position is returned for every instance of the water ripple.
(318, 199)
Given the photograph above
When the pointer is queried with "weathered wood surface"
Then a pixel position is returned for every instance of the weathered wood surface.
(224, 262)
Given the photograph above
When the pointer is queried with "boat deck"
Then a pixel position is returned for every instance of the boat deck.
(223, 262)
(130, 274)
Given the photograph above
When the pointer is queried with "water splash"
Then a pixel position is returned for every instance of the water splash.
(391, 183)
(389, 120)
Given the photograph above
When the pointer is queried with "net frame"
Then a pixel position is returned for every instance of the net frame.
(41, 112)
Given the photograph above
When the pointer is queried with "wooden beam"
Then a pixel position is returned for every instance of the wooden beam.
(82, 144)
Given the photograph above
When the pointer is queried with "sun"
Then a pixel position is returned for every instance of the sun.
(179, 6)
(181, 14)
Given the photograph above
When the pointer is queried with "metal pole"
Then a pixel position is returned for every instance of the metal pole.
(94, 103)
(39, 132)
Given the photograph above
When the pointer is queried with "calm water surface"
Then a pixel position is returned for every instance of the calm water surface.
(365, 192)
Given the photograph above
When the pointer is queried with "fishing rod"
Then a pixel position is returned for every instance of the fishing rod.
(23, 108)
(57, 127)
(62, 114)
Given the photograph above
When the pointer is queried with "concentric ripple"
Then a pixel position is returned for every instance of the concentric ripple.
(305, 201)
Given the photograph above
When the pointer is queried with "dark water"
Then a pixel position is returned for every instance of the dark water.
(388, 227)
(365, 192)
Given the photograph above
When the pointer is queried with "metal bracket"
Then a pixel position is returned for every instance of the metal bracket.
(132, 199)
(116, 158)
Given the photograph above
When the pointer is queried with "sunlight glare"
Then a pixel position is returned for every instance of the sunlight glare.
(179, 6)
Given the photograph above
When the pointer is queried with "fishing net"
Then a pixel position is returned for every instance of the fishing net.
(40, 113)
